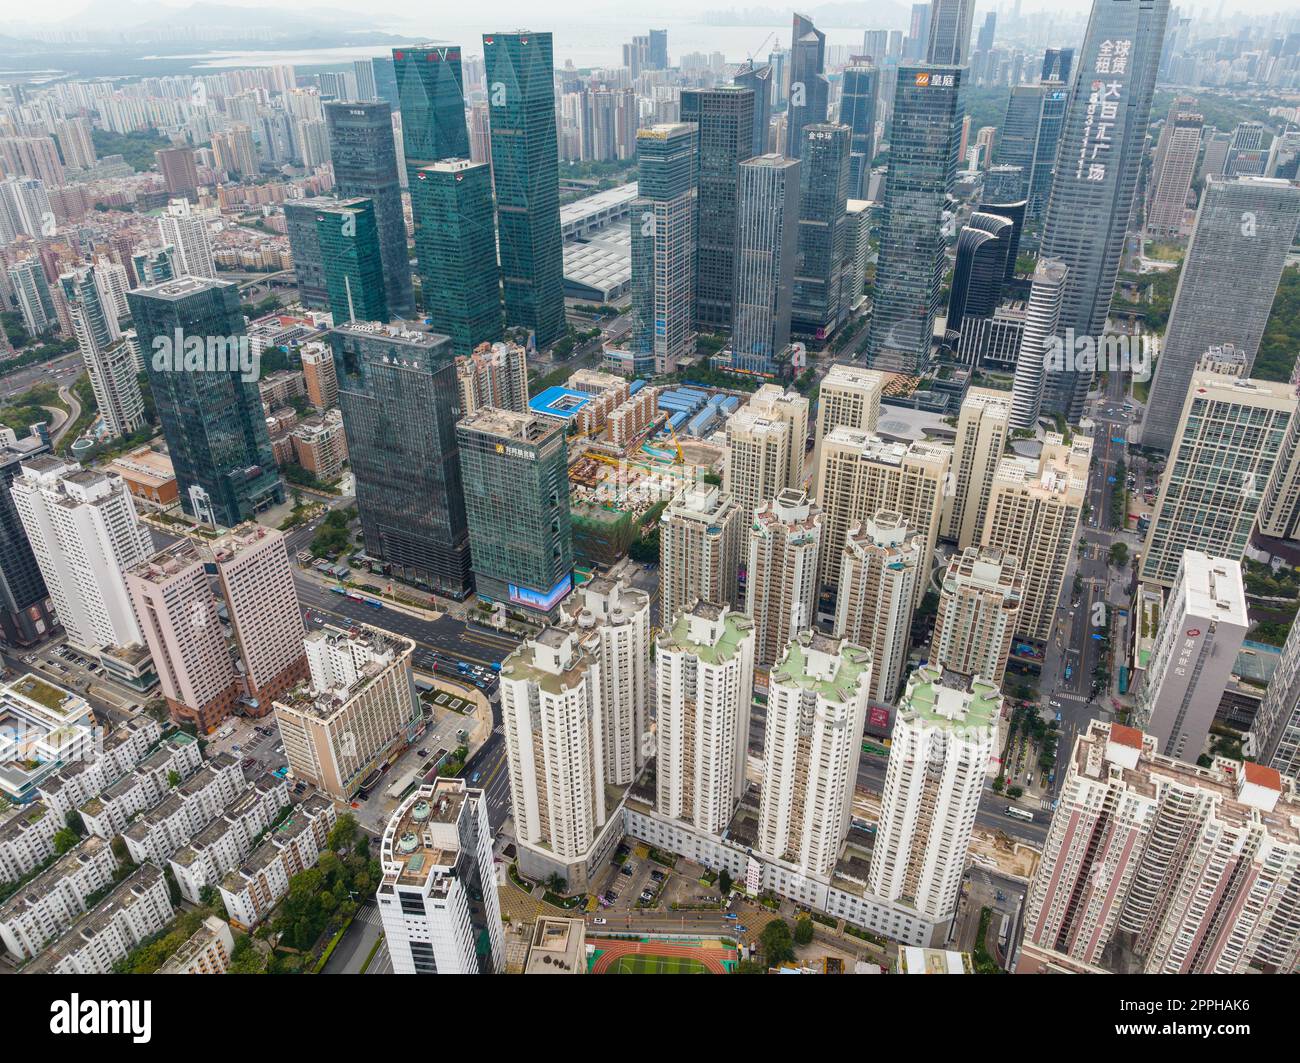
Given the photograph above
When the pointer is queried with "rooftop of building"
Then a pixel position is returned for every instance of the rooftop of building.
(951, 700)
(422, 839)
(169, 562)
(181, 288)
(723, 629)
(831, 668)
(510, 425)
(558, 947)
(1214, 588)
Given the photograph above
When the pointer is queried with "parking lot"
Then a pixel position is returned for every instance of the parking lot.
(633, 881)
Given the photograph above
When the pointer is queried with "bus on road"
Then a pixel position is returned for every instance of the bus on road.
(1019, 813)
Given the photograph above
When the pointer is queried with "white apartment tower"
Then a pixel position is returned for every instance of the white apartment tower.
(701, 532)
(816, 711)
(1042, 320)
(613, 618)
(877, 594)
(1202, 627)
(766, 440)
(944, 734)
(781, 588)
(438, 895)
(982, 428)
(82, 526)
(705, 663)
(187, 232)
(1033, 514)
(979, 612)
(848, 397)
(551, 710)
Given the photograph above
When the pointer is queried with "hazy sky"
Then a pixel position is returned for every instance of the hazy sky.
(535, 12)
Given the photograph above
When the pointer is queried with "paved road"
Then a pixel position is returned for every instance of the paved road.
(20, 380)
(74, 412)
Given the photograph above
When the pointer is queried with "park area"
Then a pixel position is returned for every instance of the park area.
(650, 956)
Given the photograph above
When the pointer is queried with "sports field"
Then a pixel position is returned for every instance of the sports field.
(645, 964)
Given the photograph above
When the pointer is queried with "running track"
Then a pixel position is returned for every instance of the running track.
(613, 949)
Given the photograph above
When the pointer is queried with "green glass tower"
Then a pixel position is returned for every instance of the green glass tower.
(514, 467)
(349, 249)
(431, 94)
(525, 163)
(204, 385)
(455, 244)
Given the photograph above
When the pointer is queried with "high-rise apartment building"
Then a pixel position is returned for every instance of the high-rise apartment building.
(83, 531)
(1033, 513)
(767, 220)
(525, 169)
(663, 243)
(861, 474)
(1096, 175)
(109, 362)
(1246, 221)
(982, 428)
(1153, 865)
(552, 713)
(212, 420)
(848, 396)
(1042, 326)
(979, 613)
(32, 291)
(399, 396)
(180, 175)
(924, 145)
(514, 472)
(781, 574)
(816, 710)
(493, 375)
(437, 899)
(1231, 442)
(1201, 630)
(319, 375)
(1181, 152)
(187, 232)
(357, 707)
(724, 117)
(25, 606)
(455, 244)
(880, 576)
(944, 735)
(612, 619)
(701, 532)
(1247, 156)
(766, 440)
(1275, 734)
(364, 157)
(705, 675)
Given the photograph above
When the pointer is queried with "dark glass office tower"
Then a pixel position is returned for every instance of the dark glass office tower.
(191, 333)
(365, 164)
(950, 28)
(354, 271)
(922, 168)
(1057, 64)
(24, 602)
(663, 245)
(1029, 138)
(759, 81)
(858, 111)
(980, 268)
(515, 470)
(400, 404)
(431, 91)
(658, 59)
(768, 223)
(525, 167)
(385, 71)
(1014, 211)
(725, 118)
(456, 248)
(810, 92)
(304, 246)
(1097, 170)
(823, 196)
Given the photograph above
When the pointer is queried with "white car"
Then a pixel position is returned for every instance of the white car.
(600, 920)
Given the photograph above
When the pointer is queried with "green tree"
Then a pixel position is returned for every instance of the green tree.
(343, 833)
(724, 882)
(64, 840)
(777, 943)
(1118, 555)
(803, 931)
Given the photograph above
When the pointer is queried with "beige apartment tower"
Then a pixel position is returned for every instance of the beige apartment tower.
(982, 428)
(766, 440)
(1033, 514)
(849, 397)
(979, 612)
(781, 588)
(701, 533)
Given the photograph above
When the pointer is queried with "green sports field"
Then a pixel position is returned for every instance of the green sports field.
(657, 965)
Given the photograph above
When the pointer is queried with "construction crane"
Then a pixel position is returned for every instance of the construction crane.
(681, 458)
(759, 49)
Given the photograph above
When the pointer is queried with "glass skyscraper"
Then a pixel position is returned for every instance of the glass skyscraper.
(456, 248)
(400, 403)
(924, 143)
(768, 224)
(25, 614)
(431, 91)
(810, 92)
(191, 332)
(663, 244)
(950, 28)
(725, 119)
(525, 167)
(819, 263)
(758, 79)
(349, 248)
(1097, 168)
(858, 98)
(304, 246)
(365, 164)
(515, 470)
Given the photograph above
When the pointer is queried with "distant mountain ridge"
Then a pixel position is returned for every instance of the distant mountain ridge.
(877, 15)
